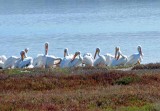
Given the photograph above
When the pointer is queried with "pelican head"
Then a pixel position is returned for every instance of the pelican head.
(22, 53)
(118, 48)
(46, 48)
(97, 52)
(65, 52)
(116, 51)
(26, 50)
(140, 50)
(75, 55)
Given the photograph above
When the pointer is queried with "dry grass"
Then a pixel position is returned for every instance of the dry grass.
(147, 66)
(79, 89)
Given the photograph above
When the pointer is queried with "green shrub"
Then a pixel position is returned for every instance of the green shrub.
(126, 80)
(148, 107)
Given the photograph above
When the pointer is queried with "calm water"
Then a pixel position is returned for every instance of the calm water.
(80, 25)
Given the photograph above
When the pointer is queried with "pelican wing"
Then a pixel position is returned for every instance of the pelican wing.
(25, 63)
(50, 61)
(88, 60)
(101, 61)
(118, 62)
(109, 58)
(75, 63)
(133, 59)
(39, 61)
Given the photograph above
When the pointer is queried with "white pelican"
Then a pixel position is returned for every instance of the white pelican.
(119, 59)
(67, 58)
(46, 61)
(76, 61)
(135, 58)
(11, 62)
(25, 61)
(101, 61)
(72, 61)
(2, 60)
(50, 60)
(40, 60)
(88, 59)
(16, 62)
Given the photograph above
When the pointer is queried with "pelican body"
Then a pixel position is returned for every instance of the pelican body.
(119, 59)
(25, 61)
(109, 58)
(11, 62)
(39, 61)
(3, 58)
(88, 60)
(67, 59)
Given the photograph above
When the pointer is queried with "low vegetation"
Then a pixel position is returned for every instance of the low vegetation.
(80, 89)
(147, 66)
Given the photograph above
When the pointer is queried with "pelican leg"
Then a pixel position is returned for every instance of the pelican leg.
(138, 62)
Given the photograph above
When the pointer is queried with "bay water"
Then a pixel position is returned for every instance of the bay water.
(80, 25)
